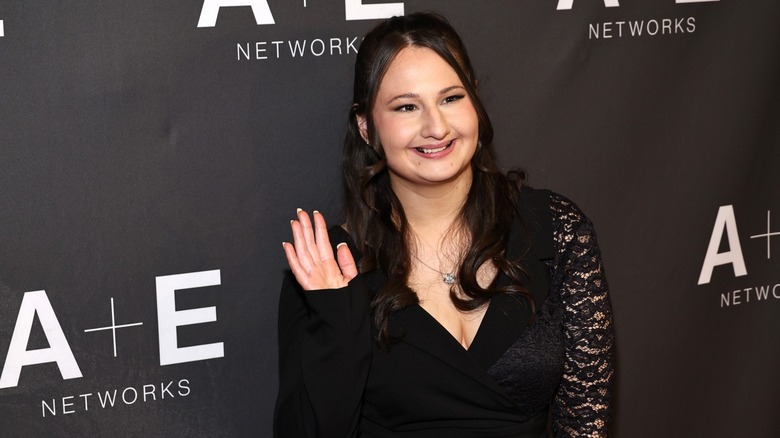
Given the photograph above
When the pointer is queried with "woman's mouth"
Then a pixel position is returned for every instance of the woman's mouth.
(434, 150)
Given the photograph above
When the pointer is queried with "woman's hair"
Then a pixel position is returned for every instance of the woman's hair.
(375, 217)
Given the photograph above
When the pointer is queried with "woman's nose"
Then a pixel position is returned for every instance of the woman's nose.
(435, 124)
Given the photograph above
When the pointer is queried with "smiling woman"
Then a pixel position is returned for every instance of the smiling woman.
(457, 302)
(425, 122)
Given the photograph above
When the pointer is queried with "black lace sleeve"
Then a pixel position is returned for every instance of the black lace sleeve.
(581, 405)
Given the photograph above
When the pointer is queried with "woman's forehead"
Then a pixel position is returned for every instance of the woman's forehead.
(418, 69)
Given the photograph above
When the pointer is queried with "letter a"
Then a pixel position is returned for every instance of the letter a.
(728, 223)
(210, 10)
(58, 351)
(566, 4)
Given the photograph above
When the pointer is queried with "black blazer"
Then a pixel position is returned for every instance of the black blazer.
(336, 382)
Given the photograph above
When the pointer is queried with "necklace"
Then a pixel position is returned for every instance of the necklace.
(448, 277)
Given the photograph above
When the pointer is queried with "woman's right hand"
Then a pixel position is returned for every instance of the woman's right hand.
(311, 258)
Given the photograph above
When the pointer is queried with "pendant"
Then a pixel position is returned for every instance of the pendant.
(449, 278)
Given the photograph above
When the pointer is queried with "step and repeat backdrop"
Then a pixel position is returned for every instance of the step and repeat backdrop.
(152, 154)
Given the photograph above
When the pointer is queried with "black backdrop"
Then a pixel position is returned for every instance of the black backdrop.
(136, 145)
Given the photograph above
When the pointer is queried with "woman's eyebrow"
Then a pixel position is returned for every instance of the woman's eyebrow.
(411, 95)
(450, 88)
(404, 96)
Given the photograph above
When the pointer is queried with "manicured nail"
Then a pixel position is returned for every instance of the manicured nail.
(340, 245)
(298, 210)
(315, 212)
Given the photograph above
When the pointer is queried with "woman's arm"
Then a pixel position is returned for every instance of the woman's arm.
(324, 339)
(581, 405)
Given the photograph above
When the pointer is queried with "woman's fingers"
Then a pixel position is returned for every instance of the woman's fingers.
(325, 250)
(321, 237)
(308, 233)
(311, 257)
(292, 259)
(346, 262)
(299, 244)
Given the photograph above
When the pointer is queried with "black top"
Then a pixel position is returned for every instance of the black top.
(336, 382)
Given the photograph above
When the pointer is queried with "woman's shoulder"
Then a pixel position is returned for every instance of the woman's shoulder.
(551, 219)
(556, 208)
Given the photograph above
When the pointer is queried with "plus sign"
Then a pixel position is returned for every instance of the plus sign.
(113, 325)
(768, 235)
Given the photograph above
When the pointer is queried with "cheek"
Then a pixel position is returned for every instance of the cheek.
(394, 133)
(468, 122)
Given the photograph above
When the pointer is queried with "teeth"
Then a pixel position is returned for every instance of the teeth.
(433, 151)
(430, 151)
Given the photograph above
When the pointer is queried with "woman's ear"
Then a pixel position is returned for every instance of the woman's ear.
(362, 126)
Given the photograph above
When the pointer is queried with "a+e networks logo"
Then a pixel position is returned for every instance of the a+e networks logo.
(353, 10)
(638, 27)
(567, 4)
(726, 226)
(59, 351)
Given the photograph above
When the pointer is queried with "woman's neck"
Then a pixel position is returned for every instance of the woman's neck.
(432, 209)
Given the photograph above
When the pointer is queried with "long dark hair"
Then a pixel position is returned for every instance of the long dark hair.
(375, 217)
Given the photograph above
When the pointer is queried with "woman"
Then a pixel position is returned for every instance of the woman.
(457, 303)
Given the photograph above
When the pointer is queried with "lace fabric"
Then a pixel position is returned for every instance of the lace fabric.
(581, 405)
(565, 355)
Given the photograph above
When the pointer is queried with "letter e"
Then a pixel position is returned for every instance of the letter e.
(567, 4)
(168, 318)
(356, 10)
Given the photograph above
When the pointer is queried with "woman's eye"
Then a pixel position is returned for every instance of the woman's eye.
(453, 98)
(406, 108)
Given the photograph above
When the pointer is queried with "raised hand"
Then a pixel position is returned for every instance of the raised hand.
(310, 256)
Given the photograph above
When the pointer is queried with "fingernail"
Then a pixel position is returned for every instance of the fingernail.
(340, 245)
(291, 221)
(283, 244)
(315, 212)
(298, 210)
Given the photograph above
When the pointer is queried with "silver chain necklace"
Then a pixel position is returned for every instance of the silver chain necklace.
(447, 277)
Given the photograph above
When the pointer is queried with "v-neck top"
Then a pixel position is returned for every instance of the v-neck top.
(521, 367)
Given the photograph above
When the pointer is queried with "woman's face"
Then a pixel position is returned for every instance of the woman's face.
(425, 121)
